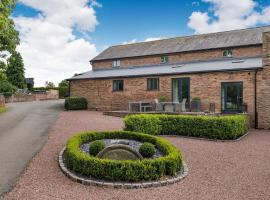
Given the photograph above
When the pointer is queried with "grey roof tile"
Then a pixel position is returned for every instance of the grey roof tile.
(244, 37)
(228, 64)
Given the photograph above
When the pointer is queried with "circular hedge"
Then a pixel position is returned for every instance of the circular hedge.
(125, 170)
(147, 150)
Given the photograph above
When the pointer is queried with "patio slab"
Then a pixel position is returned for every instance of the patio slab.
(217, 170)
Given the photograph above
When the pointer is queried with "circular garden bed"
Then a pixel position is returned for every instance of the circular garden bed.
(122, 159)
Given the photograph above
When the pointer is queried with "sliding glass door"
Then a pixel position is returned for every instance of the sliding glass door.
(232, 97)
(180, 89)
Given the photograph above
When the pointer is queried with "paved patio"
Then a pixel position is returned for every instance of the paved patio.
(230, 170)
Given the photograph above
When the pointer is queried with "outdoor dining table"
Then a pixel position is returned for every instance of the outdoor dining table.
(140, 105)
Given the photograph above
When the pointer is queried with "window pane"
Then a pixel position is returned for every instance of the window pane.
(118, 85)
(152, 84)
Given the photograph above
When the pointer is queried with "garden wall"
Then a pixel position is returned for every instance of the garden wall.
(36, 96)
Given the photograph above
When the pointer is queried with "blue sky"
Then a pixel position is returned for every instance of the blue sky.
(87, 25)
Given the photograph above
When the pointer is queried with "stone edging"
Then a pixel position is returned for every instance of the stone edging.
(125, 185)
(206, 139)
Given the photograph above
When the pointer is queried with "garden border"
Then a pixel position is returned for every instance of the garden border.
(207, 139)
(126, 185)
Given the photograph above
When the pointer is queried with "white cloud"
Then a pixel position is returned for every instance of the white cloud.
(49, 47)
(229, 15)
(146, 40)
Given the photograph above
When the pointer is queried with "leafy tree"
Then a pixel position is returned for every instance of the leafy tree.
(63, 89)
(9, 37)
(49, 84)
(15, 70)
(63, 83)
(6, 88)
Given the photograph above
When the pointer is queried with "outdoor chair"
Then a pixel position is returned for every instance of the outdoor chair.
(169, 108)
(180, 107)
(158, 106)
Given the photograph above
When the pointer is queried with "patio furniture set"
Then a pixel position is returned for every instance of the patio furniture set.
(156, 106)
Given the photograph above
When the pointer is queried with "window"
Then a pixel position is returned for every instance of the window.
(152, 83)
(164, 59)
(118, 85)
(116, 63)
(227, 53)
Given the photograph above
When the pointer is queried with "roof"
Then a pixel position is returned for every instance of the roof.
(228, 64)
(244, 37)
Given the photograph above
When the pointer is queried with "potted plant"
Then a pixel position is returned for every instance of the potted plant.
(162, 99)
(196, 104)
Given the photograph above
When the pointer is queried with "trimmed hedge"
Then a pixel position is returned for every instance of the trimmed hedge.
(75, 103)
(212, 127)
(96, 146)
(147, 150)
(117, 170)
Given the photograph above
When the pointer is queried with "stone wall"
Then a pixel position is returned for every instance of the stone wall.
(181, 57)
(263, 88)
(207, 86)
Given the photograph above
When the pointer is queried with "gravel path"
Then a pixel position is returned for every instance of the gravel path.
(231, 170)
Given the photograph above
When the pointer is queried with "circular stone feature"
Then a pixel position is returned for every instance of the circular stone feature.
(119, 152)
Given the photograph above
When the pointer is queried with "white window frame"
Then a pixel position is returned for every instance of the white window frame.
(228, 52)
(116, 63)
(164, 59)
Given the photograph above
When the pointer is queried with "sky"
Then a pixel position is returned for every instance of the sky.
(58, 38)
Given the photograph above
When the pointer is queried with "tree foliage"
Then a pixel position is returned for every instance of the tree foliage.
(9, 37)
(6, 88)
(49, 84)
(15, 70)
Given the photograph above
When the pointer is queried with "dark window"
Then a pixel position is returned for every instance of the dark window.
(164, 59)
(232, 97)
(227, 53)
(181, 89)
(118, 85)
(152, 83)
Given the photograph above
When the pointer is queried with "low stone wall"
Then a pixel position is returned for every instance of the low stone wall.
(2, 101)
(36, 96)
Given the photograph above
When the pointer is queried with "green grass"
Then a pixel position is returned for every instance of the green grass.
(3, 109)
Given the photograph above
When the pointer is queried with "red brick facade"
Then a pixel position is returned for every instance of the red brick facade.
(207, 86)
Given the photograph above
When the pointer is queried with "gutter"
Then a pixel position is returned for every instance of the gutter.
(255, 103)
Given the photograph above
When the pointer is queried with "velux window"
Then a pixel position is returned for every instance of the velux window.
(152, 83)
(118, 85)
(116, 63)
(164, 59)
(227, 53)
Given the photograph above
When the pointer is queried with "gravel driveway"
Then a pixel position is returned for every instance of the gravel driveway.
(230, 170)
(23, 131)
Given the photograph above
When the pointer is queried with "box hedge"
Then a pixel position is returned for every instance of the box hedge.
(117, 170)
(214, 127)
(75, 103)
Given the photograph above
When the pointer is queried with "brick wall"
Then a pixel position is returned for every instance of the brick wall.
(263, 89)
(181, 57)
(207, 86)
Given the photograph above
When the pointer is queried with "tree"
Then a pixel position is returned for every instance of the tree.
(6, 88)
(15, 70)
(49, 84)
(9, 37)
(63, 83)
(63, 88)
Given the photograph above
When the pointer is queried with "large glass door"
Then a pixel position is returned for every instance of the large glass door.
(232, 97)
(180, 89)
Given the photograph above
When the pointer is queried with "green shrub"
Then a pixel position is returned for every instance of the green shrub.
(147, 150)
(75, 103)
(117, 170)
(96, 146)
(3, 109)
(145, 123)
(213, 127)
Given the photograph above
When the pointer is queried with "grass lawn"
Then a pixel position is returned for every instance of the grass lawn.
(3, 109)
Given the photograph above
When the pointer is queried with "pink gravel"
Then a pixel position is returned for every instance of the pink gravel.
(217, 170)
